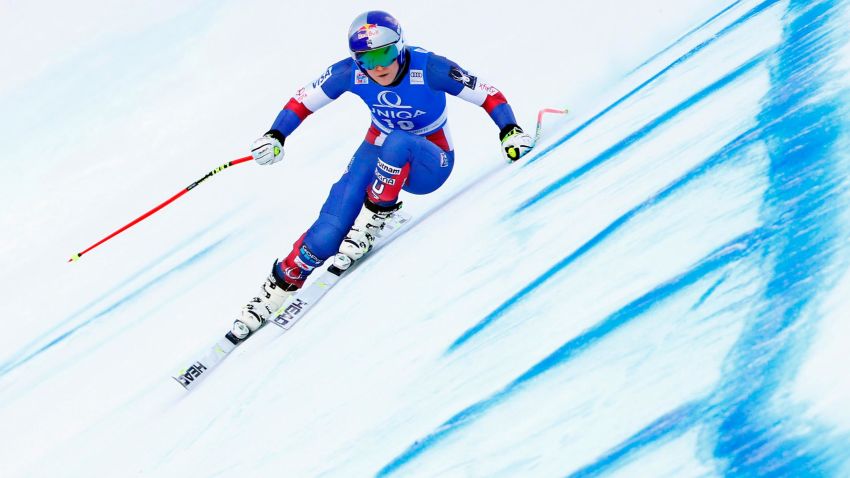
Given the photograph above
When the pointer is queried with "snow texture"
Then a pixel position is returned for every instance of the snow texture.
(659, 289)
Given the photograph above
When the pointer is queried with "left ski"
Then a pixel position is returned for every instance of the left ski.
(293, 308)
(201, 366)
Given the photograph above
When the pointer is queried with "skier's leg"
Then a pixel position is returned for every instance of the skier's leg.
(314, 246)
(408, 162)
(323, 238)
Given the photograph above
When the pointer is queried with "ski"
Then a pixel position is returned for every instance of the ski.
(293, 308)
(187, 376)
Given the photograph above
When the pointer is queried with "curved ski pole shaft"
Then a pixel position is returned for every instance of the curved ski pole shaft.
(540, 120)
(144, 216)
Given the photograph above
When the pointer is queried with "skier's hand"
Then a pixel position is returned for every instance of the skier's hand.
(515, 143)
(269, 148)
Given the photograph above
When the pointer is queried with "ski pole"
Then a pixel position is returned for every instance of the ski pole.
(144, 216)
(540, 120)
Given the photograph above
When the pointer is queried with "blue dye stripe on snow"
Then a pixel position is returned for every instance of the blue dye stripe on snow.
(14, 357)
(752, 13)
(641, 133)
(129, 297)
(801, 125)
(722, 257)
(671, 425)
(710, 291)
(686, 35)
(804, 118)
(754, 435)
(725, 153)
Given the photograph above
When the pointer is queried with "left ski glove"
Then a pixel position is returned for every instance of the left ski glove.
(269, 148)
(515, 143)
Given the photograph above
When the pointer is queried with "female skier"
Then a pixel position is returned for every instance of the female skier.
(407, 147)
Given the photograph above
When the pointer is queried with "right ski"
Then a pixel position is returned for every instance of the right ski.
(293, 308)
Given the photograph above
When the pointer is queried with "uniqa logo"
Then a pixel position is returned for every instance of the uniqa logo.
(390, 99)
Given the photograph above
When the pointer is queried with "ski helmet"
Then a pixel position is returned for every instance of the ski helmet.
(375, 39)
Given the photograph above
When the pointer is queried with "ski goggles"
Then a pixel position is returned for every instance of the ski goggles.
(372, 59)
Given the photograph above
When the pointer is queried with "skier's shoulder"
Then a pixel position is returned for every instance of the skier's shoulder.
(336, 78)
(339, 70)
(424, 56)
(431, 63)
(443, 73)
(428, 57)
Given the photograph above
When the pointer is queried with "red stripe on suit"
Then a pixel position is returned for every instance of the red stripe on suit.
(298, 108)
(492, 101)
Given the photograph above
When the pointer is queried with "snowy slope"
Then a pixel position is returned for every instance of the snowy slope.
(659, 289)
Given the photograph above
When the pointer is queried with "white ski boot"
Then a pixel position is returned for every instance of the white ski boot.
(259, 309)
(366, 228)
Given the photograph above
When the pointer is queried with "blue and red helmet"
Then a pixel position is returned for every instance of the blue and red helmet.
(375, 39)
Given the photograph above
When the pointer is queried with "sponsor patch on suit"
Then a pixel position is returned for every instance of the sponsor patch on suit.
(417, 77)
(463, 77)
(360, 78)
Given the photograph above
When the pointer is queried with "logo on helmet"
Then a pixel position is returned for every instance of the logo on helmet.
(366, 31)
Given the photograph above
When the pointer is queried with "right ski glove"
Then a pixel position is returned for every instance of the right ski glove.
(269, 148)
(515, 143)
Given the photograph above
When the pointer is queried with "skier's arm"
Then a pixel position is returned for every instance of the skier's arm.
(328, 87)
(446, 75)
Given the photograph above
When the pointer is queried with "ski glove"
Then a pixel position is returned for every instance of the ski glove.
(269, 148)
(515, 143)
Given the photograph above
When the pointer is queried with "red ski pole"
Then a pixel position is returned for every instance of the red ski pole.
(157, 208)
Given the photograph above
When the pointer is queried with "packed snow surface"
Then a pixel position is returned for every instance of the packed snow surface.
(659, 289)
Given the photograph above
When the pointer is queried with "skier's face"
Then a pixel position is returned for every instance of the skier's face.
(384, 75)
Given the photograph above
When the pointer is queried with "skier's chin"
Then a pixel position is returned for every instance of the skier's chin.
(383, 79)
(386, 75)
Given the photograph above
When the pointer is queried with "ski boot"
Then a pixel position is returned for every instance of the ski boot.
(273, 293)
(366, 228)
